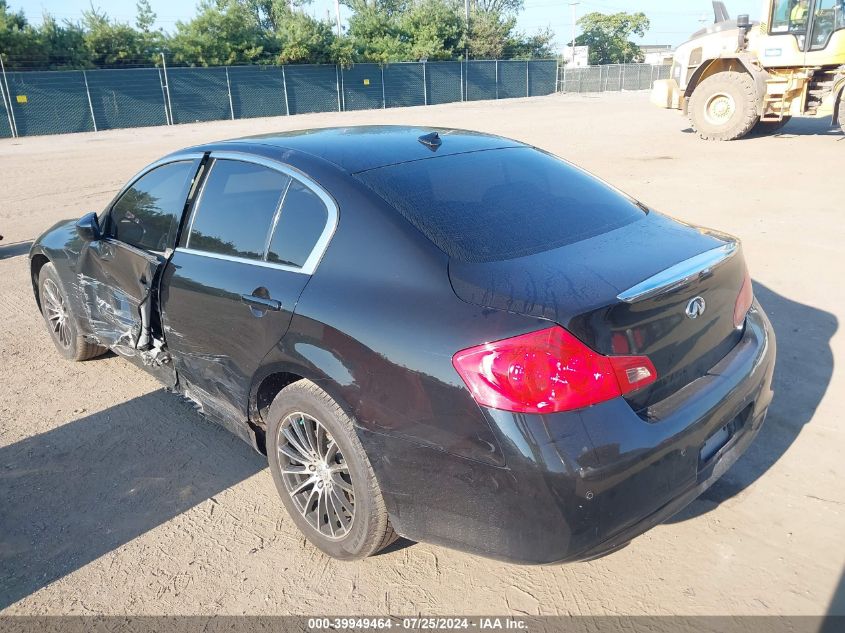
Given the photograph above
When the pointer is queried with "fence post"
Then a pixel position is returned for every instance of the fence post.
(425, 85)
(13, 124)
(337, 83)
(463, 88)
(497, 78)
(285, 88)
(166, 86)
(527, 88)
(6, 108)
(383, 97)
(622, 79)
(229, 90)
(90, 103)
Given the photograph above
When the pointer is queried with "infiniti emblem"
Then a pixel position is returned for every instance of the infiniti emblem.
(696, 307)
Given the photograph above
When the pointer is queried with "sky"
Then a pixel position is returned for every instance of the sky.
(671, 22)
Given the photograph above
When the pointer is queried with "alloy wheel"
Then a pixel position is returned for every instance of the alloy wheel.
(57, 312)
(316, 476)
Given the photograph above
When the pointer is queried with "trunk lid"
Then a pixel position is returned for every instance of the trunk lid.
(582, 286)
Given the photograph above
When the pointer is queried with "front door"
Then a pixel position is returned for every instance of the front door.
(230, 289)
(119, 273)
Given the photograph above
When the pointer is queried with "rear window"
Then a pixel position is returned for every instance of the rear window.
(501, 204)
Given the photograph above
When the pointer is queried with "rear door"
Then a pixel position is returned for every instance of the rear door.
(119, 273)
(254, 237)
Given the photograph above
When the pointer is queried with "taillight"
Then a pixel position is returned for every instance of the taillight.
(743, 301)
(548, 371)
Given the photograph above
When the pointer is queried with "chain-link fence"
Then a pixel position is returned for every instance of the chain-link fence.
(57, 102)
(612, 77)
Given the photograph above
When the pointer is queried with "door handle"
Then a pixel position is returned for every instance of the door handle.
(261, 303)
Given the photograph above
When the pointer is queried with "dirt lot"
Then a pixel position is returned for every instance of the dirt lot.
(117, 498)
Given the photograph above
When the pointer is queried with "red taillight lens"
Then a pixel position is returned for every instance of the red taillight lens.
(743, 301)
(548, 371)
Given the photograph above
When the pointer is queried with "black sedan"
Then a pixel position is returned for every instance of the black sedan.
(439, 334)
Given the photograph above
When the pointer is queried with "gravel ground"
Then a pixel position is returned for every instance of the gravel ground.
(117, 498)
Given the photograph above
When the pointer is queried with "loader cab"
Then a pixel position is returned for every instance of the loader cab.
(802, 33)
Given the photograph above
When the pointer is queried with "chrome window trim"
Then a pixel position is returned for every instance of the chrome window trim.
(241, 260)
(680, 274)
(161, 162)
(320, 245)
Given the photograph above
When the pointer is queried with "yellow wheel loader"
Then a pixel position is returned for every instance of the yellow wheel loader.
(735, 75)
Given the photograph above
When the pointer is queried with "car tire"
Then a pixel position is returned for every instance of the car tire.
(723, 107)
(331, 494)
(61, 322)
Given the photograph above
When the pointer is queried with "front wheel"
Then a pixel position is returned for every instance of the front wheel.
(723, 107)
(323, 474)
(60, 320)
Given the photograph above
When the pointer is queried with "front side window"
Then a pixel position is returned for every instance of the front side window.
(236, 210)
(147, 214)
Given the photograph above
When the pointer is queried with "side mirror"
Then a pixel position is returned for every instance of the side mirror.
(88, 227)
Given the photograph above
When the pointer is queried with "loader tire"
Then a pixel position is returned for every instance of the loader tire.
(842, 111)
(723, 107)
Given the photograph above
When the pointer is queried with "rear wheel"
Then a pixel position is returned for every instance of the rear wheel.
(323, 474)
(723, 107)
(61, 322)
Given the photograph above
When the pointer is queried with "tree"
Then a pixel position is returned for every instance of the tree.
(608, 36)
(145, 17)
(488, 34)
(435, 29)
(110, 43)
(537, 46)
(223, 32)
(300, 38)
(18, 40)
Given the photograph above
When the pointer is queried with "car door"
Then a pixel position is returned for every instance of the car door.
(119, 273)
(255, 234)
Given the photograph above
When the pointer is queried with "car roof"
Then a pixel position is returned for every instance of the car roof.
(359, 148)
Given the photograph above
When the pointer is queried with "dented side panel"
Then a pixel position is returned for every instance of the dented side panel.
(117, 289)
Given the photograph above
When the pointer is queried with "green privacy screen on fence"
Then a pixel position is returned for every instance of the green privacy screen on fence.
(57, 102)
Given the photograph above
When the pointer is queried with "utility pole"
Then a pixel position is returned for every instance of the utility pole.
(337, 15)
(572, 6)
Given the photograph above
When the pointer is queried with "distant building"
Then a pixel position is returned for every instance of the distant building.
(581, 58)
(657, 53)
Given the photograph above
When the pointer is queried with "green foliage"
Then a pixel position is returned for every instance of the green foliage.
(223, 32)
(608, 36)
(274, 31)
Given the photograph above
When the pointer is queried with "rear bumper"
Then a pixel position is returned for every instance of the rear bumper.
(580, 484)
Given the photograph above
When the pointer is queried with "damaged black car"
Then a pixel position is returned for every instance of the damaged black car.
(439, 334)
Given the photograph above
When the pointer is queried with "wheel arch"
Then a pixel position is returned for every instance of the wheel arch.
(271, 378)
(739, 63)
(36, 263)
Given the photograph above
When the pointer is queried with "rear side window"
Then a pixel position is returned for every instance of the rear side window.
(300, 225)
(147, 214)
(236, 210)
(501, 204)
